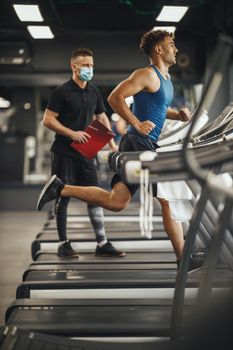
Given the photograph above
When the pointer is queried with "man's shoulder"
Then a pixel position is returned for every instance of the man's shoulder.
(62, 87)
(67, 84)
(145, 75)
(144, 71)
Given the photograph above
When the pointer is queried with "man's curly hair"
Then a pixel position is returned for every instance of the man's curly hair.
(151, 38)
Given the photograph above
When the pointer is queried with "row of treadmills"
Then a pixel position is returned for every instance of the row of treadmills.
(138, 301)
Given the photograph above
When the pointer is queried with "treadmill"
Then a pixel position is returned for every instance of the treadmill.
(139, 317)
(76, 284)
(89, 317)
(98, 278)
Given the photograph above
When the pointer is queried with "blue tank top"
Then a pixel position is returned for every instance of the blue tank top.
(153, 105)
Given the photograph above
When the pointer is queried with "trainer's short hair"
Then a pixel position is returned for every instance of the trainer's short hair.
(81, 52)
(151, 38)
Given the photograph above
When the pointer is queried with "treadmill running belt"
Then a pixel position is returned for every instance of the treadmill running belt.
(123, 320)
(151, 257)
(13, 338)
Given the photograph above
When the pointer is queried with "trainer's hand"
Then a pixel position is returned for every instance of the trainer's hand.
(114, 148)
(145, 127)
(80, 136)
(184, 114)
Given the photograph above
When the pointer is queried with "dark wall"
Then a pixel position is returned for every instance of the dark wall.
(117, 54)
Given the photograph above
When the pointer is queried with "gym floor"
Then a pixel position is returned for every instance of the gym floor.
(17, 230)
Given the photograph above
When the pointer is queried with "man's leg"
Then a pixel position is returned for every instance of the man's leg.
(174, 229)
(61, 217)
(175, 233)
(96, 216)
(118, 199)
(64, 249)
(115, 200)
(64, 166)
(104, 247)
(61, 165)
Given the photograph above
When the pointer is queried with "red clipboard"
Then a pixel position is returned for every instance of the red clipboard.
(100, 135)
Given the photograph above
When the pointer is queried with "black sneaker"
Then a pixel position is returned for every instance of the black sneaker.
(50, 191)
(108, 250)
(196, 260)
(66, 251)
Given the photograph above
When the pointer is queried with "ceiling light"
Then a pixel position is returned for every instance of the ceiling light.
(28, 13)
(4, 103)
(169, 29)
(40, 32)
(172, 13)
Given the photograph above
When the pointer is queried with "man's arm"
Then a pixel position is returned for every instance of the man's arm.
(102, 117)
(183, 114)
(138, 81)
(51, 122)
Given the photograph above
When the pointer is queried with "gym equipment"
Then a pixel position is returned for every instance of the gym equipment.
(133, 245)
(13, 338)
(92, 267)
(94, 317)
(69, 283)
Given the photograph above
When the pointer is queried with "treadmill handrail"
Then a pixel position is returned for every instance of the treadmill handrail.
(223, 53)
(208, 179)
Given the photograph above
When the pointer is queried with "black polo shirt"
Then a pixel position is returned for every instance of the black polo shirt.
(76, 108)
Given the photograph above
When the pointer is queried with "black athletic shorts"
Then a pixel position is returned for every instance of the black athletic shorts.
(131, 143)
(74, 171)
